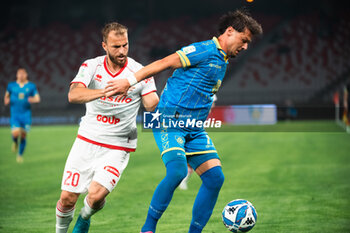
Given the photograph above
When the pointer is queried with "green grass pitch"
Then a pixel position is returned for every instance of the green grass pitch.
(298, 181)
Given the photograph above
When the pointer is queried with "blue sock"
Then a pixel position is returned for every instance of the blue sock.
(206, 198)
(22, 146)
(176, 172)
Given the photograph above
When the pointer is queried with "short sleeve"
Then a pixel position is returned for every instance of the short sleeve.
(8, 89)
(34, 90)
(85, 73)
(192, 55)
(148, 86)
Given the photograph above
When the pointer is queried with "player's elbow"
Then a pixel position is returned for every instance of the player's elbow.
(72, 98)
(151, 107)
(151, 103)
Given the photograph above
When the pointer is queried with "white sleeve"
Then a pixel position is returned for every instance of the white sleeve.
(85, 73)
(148, 86)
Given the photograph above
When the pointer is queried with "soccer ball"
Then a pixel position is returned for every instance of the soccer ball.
(239, 215)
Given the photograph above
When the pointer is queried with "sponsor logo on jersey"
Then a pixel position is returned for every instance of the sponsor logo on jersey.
(189, 49)
(148, 80)
(108, 119)
(113, 99)
(113, 182)
(214, 65)
(179, 140)
(98, 78)
(84, 65)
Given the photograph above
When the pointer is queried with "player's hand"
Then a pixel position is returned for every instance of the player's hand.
(117, 87)
(31, 100)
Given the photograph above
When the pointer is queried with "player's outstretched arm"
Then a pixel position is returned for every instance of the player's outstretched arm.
(34, 99)
(79, 94)
(172, 61)
(150, 101)
(7, 98)
(121, 86)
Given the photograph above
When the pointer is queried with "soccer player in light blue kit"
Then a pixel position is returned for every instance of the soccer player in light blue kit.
(200, 69)
(20, 95)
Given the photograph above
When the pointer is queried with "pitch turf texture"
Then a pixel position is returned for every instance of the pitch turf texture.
(298, 181)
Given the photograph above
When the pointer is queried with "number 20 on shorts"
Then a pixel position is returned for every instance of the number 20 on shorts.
(72, 179)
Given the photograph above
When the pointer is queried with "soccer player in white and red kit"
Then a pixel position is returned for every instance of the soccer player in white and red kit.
(107, 132)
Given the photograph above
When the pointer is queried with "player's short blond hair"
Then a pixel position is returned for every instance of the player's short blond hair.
(118, 28)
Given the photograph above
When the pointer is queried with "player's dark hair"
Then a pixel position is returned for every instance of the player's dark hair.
(239, 20)
(114, 26)
(22, 68)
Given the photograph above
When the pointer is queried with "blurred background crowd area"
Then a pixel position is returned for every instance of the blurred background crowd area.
(302, 59)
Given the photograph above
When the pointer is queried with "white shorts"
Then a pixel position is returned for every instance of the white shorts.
(88, 162)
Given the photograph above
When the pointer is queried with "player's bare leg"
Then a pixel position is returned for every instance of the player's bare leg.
(19, 134)
(95, 199)
(65, 210)
(15, 134)
(207, 165)
(93, 202)
(22, 145)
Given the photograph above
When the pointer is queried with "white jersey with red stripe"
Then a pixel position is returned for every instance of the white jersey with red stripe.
(108, 122)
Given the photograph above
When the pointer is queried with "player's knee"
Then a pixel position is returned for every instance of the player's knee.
(176, 165)
(213, 178)
(15, 133)
(23, 134)
(177, 170)
(96, 201)
(219, 180)
(68, 199)
(96, 198)
(179, 174)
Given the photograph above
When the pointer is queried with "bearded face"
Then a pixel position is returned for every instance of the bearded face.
(117, 48)
(237, 41)
(118, 59)
(22, 75)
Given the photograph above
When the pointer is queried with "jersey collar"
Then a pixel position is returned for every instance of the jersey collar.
(216, 41)
(109, 72)
(21, 85)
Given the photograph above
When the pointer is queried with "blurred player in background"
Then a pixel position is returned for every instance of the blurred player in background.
(200, 69)
(107, 132)
(20, 95)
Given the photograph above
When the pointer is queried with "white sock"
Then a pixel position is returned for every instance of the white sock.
(63, 217)
(187, 177)
(86, 212)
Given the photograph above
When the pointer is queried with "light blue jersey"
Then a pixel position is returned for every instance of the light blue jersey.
(190, 90)
(189, 94)
(19, 106)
